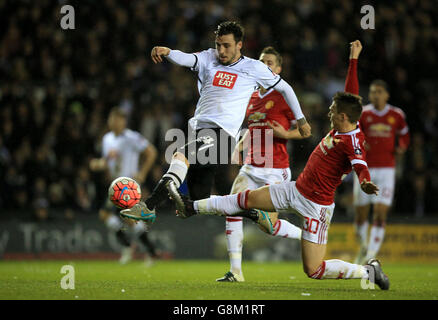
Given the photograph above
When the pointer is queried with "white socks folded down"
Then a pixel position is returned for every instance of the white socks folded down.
(224, 205)
(285, 229)
(177, 171)
(338, 269)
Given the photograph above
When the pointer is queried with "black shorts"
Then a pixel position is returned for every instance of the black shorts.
(209, 156)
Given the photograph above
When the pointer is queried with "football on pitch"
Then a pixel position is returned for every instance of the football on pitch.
(124, 192)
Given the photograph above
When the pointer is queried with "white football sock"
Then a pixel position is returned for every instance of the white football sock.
(139, 227)
(285, 229)
(177, 171)
(234, 233)
(362, 232)
(222, 205)
(114, 223)
(338, 269)
(377, 234)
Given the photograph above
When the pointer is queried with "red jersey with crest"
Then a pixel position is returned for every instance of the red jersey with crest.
(261, 109)
(333, 157)
(381, 129)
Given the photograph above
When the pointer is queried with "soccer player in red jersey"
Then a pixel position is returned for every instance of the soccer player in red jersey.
(387, 137)
(312, 195)
(267, 162)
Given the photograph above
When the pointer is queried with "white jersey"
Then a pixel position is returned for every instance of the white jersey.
(122, 152)
(225, 90)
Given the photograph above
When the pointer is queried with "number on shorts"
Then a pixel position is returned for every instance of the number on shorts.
(311, 225)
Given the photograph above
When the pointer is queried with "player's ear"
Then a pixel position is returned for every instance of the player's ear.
(345, 117)
(239, 45)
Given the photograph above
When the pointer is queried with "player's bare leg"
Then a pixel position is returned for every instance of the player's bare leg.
(313, 256)
(377, 232)
(361, 227)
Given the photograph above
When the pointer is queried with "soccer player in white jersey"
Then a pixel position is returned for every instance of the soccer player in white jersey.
(226, 81)
(122, 151)
(266, 111)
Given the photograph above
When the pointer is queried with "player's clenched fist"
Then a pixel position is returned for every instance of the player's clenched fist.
(158, 52)
(355, 49)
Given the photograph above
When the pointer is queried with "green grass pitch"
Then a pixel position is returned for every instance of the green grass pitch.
(195, 280)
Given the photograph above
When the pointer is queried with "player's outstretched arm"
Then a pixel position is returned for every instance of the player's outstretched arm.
(175, 56)
(291, 99)
(352, 82)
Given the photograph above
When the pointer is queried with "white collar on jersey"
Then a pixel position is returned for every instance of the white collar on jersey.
(234, 63)
(349, 133)
(264, 95)
(382, 112)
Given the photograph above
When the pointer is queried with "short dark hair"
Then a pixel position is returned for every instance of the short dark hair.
(271, 50)
(119, 112)
(350, 104)
(230, 27)
(380, 83)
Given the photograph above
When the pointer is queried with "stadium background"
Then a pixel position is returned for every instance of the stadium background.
(57, 87)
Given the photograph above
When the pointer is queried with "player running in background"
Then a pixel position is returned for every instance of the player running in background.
(227, 80)
(387, 137)
(267, 110)
(122, 152)
(312, 195)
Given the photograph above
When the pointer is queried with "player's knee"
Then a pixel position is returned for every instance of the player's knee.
(251, 199)
(313, 270)
(379, 219)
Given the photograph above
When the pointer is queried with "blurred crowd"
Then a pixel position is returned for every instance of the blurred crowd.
(57, 86)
